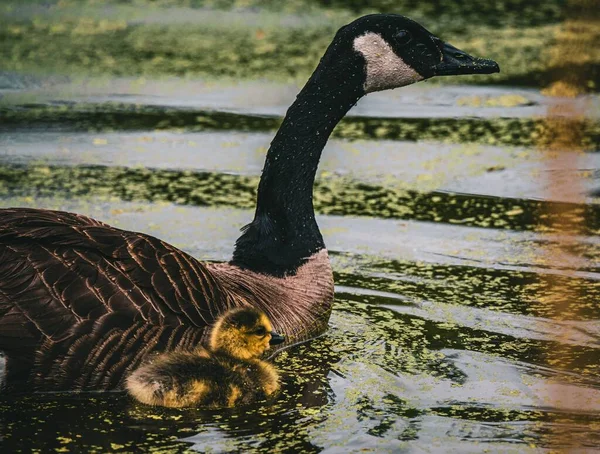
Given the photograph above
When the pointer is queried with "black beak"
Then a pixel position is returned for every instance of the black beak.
(276, 338)
(456, 62)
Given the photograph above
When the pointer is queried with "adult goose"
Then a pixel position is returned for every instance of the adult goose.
(81, 298)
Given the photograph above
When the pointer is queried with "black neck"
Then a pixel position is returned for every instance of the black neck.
(284, 232)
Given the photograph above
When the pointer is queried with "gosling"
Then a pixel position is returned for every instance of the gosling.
(226, 374)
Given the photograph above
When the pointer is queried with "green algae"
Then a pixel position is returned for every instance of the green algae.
(504, 290)
(88, 42)
(361, 379)
(120, 116)
(398, 372)
(332, 195)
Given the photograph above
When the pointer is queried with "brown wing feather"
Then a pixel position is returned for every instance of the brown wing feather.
(58, 270)
(82, 303)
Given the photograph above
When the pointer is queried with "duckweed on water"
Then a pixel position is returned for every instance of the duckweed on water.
(110, 45)
(332, 195)
(505, 291)
(116, 116)
(415, 351)
(326, 394)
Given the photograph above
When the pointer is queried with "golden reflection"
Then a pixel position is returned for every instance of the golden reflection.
(575, 45)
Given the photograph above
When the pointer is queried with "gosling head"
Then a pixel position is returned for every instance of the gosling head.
(243, 333)
(393, 51)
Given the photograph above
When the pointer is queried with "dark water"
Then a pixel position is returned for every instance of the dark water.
(452, 330)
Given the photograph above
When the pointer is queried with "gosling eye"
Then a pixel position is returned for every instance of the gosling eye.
(260, 331)
(402, 37)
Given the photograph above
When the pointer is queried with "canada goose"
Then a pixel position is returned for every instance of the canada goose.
(62, 274)
(227, 373)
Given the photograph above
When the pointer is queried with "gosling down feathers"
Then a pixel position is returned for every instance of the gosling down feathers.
(71, 285)
(226, 374)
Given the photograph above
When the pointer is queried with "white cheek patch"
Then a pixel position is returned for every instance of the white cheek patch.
(385, 69)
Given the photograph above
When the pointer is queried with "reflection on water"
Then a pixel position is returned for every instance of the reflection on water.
(441, 339)
(380, 378)
(333, 195)
(77, 117)
(462, 322)
(442, 336)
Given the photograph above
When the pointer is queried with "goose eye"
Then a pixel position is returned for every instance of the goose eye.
(261, 331)
(402, 37)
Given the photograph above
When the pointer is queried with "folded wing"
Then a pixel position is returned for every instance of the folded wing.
(59, 270)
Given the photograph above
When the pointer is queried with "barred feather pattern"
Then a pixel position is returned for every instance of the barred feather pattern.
(82, 303)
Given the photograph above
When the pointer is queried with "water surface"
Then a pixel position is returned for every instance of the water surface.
(440, 340)
(455, 326)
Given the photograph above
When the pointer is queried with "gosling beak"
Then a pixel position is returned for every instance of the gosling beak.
(276, 338)
(456, 62)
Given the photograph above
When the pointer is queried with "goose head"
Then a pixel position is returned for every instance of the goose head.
(243, 333)
(393, 51)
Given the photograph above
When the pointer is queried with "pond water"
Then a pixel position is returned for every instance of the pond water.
(447, 334)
